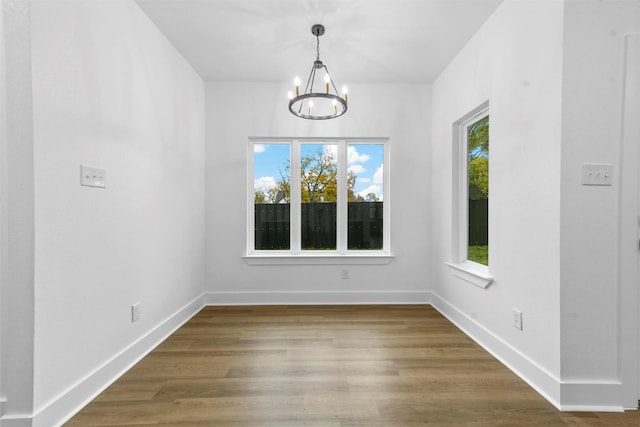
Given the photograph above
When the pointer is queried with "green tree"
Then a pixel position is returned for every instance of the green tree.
(478, 159)
(479, 174)
(259, 198)
(319, 177)
(318, 181)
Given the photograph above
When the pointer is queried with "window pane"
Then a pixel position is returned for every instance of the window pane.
(365, 192)
(272, 171)
(478, 173)
(318, 191)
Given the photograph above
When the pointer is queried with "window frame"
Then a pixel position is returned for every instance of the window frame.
(296, 255)
(461, 267)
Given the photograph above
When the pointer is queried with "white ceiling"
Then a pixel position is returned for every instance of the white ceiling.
(365, 41)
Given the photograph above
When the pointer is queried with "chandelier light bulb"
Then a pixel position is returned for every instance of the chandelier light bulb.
(296, 83)
(344, 92)
(290, 94)
(327, 79)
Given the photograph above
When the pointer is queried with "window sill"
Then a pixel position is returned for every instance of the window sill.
(318, 259)
(476, 274)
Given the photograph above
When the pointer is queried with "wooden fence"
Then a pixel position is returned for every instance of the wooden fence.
(272, 229)
(318, 226)
(478, 222)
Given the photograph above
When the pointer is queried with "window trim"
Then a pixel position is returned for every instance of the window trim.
(296, 255)
(460, 265)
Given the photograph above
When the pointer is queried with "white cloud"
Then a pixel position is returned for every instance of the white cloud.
(354, 157)
(264, 183)
(331, 149)
(259, 148)
(357, 169)
(378, 176)
(376, 189)
(363, 180)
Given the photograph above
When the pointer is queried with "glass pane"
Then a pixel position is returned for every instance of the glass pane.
(271, 189)
(365, 191)
(318, 191)
(478, 173)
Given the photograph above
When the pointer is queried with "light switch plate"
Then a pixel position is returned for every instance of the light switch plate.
(597, 174)
(93, 177)
(517, 319)
(135, 312)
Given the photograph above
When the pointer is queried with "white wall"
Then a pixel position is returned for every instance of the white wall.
(111, 92)
(238, 111)
(515, 62)
(17, 232)
(593, 72)
(3, 139)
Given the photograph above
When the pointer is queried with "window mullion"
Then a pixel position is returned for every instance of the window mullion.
(386, 236)
(342, 202)
(295, 207)
(251, 215)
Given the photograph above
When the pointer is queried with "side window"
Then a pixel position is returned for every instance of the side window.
(471, 190)
(478, 191)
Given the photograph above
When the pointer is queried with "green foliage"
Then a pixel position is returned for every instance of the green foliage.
(479, 138)
(259, 198)
(319, 177)
(371, 197)
(479, 174)
(318, 181)
(478, 159)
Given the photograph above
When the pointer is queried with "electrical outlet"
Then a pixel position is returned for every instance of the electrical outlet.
(345, 274)
(135, 312)
(517, 319)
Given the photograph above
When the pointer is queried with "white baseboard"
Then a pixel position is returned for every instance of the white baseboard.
(69, 403)
(583, 396)
(16, 421)
(567, 396)
(316, 298)
(536, 376)
(591, 396)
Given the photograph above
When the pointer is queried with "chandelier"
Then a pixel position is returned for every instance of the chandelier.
(321, 104)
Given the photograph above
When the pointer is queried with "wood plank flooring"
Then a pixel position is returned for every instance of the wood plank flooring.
(325, 366)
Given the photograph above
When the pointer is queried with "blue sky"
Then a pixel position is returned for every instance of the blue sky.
(365, 160)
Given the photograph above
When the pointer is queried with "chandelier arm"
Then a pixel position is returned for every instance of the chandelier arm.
(312, 79)
(331, 80)
(309, 82)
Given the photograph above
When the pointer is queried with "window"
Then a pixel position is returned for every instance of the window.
(477, 134)
(471, 200)
(318, 198)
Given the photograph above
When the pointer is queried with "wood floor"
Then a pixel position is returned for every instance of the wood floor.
(326, 366)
